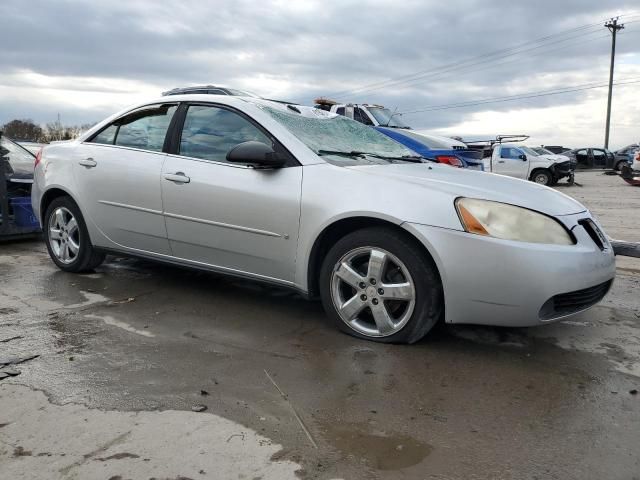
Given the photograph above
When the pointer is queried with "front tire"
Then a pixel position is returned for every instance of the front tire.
(377, 284)
(67, 237)
(619, 165)
(542, 177)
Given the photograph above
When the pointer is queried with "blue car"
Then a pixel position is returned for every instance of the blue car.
(433, 149)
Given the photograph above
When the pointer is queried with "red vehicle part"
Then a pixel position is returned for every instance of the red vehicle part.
(632, 177)
(450, 160)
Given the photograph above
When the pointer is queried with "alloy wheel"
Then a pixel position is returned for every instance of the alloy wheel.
(64, 235)
(373, 291)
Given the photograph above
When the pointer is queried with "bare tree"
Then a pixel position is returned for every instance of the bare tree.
(25, 130)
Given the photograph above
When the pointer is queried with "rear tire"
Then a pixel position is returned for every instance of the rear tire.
(67, 237)
(377, 284)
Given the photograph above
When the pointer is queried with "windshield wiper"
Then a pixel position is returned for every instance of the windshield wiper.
(352, 153)
(355, 153)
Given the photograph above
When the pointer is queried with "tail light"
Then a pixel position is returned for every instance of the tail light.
(450, 160)
(38, 158)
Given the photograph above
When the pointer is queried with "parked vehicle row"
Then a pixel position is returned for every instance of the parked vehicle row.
(323, 204)
(548, 168)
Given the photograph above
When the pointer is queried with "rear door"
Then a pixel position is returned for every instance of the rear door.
(231, 216)
(509, 162)
(118, 176)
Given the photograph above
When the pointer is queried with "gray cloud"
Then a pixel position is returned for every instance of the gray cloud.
(336, 46)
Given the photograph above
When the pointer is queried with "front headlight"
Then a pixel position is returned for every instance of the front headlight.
(501, 220)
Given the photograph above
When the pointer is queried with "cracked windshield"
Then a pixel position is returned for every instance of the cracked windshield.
(342, 141)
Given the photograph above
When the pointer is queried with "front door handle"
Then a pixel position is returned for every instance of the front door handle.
(500, 161)
(88, 162)
(178, 177)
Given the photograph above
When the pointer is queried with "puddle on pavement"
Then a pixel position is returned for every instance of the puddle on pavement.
(378, 450)
(109, 320)
(90, 299)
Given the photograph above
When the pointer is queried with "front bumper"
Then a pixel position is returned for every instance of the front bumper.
(561, 170)
(500, 282)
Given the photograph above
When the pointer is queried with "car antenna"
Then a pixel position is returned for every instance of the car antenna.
(392, 115)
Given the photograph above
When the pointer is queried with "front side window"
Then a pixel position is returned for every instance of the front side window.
(144, 128)
(211, 132)
(510, 152)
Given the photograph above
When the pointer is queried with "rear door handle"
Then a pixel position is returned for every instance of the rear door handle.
(178, 177)
(500, 161)
(88, 162)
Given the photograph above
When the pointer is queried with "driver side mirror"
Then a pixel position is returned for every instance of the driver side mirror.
(255, 153)
(522, 157)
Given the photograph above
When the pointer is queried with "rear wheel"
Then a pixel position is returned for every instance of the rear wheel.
(67, 238)
(378, 285)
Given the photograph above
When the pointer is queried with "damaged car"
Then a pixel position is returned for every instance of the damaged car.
(314, 201)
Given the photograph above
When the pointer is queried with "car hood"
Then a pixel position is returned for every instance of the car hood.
(555, 158)
(460, 182)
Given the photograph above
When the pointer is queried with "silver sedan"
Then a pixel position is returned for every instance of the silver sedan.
(313, 201)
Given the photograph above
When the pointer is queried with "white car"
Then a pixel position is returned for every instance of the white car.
(314, 201)
(520, 161)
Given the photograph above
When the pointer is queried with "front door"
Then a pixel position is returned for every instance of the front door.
(227, 215)
(118, 176)
(599, 157)
(509, 162)
(583, 159)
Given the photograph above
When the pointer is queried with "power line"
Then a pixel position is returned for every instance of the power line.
(520, 96)
(458, 64)
(516, 60)
(485, 65)
(456, 69)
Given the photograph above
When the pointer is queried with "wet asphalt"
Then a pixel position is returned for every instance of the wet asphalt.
(464, 403)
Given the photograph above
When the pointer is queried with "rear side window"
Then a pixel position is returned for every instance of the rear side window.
(211, 132)
(145, 128)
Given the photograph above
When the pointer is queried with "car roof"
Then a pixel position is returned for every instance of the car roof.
(224, 90)
(230, 100)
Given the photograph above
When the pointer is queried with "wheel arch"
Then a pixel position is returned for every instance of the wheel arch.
(344, 226)
(50, 195)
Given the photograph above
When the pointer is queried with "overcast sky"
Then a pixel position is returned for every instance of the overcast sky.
(88, 59)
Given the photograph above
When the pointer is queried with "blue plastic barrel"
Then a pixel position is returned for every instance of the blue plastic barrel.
(23, 213)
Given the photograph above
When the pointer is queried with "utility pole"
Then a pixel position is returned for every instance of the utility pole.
(613, 27)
